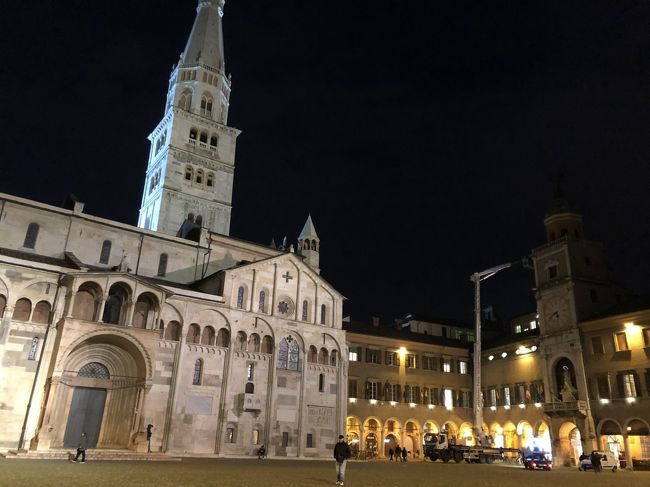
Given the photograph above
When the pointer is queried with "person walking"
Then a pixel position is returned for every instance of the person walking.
(398, 453)
(81, 449)
(404, 454)
(391, 452)
(341, 454)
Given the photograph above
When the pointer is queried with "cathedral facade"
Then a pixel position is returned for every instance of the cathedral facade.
(220, 344)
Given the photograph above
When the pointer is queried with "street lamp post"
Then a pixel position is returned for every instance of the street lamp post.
(476, 278)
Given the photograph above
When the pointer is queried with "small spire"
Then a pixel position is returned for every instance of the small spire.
(273, 245)
(308, 231)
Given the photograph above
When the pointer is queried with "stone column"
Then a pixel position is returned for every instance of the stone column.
(130, 308)
(71, 298)
(102, 306)
(628, 453)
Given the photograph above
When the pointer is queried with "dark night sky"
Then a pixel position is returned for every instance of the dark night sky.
(422, 136)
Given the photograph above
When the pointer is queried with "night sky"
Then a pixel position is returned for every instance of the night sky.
(423, 137)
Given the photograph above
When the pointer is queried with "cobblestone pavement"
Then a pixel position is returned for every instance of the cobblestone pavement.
(275, 473)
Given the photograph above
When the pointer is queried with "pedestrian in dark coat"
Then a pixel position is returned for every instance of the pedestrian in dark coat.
(81, 448)
(398, 453)
(341, 454)
(404, 454)
(595, 461)
(391, 452)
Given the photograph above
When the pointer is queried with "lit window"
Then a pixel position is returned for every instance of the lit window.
(517, 328)
(372, 389)
(256, 437)
(392, 358)
(353, 355)
(493, 397)
(250, 369)
(449, 398)
(410, 362)
(533, 324)
(621, 341)
(462, 366)
(446, 366)
(506, 396)
(629, 386)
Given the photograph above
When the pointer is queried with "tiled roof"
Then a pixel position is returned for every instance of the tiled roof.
(403, 334)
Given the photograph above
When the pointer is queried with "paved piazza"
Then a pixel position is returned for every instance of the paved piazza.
(272, 473)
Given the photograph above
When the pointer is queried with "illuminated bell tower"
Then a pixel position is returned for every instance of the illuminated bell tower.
(192, 157)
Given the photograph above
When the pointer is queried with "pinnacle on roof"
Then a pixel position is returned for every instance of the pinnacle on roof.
(205, 44)
(308, 231)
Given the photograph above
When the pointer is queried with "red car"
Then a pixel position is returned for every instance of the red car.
(537, 462)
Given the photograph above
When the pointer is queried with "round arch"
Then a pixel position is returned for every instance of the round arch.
(570, 444)
(431, 426)
(637, 427)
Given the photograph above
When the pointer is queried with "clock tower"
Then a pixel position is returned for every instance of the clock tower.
(571, 283)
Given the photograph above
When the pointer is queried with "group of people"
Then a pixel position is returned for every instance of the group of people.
(399, 453)
(595, 459)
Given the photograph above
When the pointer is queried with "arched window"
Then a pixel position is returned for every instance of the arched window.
(334, 358)
(173, 331)
(203, 137)
(321, 383)
(33, 349)
(162, 265)
(23, 309)
(145, 311)
(210, 180)
(193, 134)
(240, 297)
(213, 142)
(305, 310)
(262, 304)
(3, 305)
(223, 338)
(117, 297)
(185, 101)
(313, 245)
(188, 173)
(313, 355)
(267, 344)
(207, 338)
(94, 370)
(241, 341)
(41, 312)
(198, 372)
(199, 177)
(193, 333)
(289, 354)
(305, 244)
(31, 236)
(323, 314)
(323, 356)
(206, 105)
(254, 343)
(106, 252)
(250, 388)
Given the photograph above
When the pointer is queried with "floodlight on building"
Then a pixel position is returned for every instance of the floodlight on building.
(604, 401)
(504, 354)
(491, 357)
(373, 401)
(538, 404)
(493, 408)
(353, 400)
(630, 399)
(522, 406)
(506, 407)
(392, 403)
(629, 428)
(386, 440)
(412, 404)
(402, 351)
(431, 406)
(534, 348)
(630, 326)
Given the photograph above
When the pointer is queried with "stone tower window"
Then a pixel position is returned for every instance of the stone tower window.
(240, 297)
(193, 134)
(203, 138)
(323, 314)
(185, 101)
(199, 177)
(188, 173)
(213, 142)
(206, 105)
(198, 372)
(210, 180)
(162, 265)
(262, 302)
(23, 309)
(305, 310)
(31, 236)
(106, 252)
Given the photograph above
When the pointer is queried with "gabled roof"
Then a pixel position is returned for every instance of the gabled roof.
(295, 259)
(308, 231)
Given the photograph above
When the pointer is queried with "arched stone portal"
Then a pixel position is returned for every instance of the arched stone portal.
(101, 388)
(570, 444)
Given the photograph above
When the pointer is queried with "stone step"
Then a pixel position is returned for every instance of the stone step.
(94, 455)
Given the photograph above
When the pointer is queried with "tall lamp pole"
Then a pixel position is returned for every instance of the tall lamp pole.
(476, 278)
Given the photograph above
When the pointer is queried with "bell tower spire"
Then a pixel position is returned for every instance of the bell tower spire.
(309, 245)
(192, 158)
